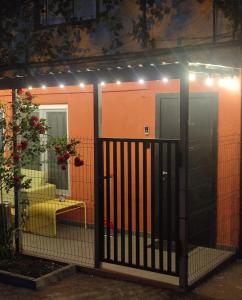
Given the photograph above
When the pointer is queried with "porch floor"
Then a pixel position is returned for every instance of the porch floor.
(75, 245)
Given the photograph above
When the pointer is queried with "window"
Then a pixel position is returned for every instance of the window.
(52, 12)
(57, 118)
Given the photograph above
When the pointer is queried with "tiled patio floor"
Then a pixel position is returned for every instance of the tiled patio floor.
(76, 245)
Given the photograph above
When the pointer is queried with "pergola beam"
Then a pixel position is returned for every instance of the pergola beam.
(109, 75)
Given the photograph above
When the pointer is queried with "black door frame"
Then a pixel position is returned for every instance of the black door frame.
(214, 96)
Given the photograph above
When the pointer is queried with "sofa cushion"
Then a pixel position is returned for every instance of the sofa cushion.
(38, 177)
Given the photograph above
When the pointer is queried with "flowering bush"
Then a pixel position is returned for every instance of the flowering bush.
(23, 137)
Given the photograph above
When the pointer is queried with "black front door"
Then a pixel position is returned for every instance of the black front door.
(202, 159)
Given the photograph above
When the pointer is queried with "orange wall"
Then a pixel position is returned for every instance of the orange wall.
(130, 106)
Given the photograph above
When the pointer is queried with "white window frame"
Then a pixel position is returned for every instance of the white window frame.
(42, 110)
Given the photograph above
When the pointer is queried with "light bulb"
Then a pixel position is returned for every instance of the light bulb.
(192, 76)
(209, 81)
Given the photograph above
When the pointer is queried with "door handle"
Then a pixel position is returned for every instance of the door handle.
(164, 175)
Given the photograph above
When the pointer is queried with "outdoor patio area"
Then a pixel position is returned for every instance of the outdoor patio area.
(134, 189)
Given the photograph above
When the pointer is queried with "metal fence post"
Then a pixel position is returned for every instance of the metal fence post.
(183, 175)
(240, 212)
(97, 115)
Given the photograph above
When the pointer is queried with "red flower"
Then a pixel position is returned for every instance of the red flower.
(17, 179)
(67, 156)
(63, 167)
(16, 157)
(28, 96)
(37, 125)
(57, 148)
(41, 128)
(24, 144)
(20, 91)
(78, 162)
(34, 121)
(60, 159)
(108, 224)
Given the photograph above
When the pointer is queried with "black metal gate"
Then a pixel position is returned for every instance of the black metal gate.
(139, 180)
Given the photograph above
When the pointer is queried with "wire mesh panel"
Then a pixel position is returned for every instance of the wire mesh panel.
(60, 215)
(140, 204)
(203, 257)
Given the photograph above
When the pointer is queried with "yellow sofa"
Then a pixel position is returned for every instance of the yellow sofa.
(40, 192)
(40, 189)
(42, 205)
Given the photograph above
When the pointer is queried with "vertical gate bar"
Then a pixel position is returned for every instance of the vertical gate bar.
(161, 221)
(145, 204)
(108, 223)
(183, 176)
(152, 205)
(169, 208)
(115, 206)
(240, 210)
(122, 193)
(98, 199)
(137, 203)
(177, 206)
(101, 193)
(130, 249)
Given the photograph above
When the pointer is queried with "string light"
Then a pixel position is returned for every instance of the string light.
(192, 76)
(222, 82)
(209, 81)
(232, 83)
